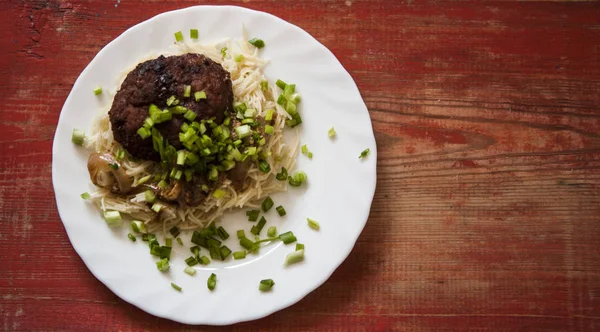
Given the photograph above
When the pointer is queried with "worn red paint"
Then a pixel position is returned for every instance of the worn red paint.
(494, 106)
(438, 136)
(465, 163)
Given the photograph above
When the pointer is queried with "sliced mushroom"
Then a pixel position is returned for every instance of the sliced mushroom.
(239, 173)
(106, 172)
(172, 192)
(193, 195)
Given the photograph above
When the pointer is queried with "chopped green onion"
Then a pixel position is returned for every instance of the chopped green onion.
(157, 207)
(224, 52)
(304, 149)
(294, 257)
(250, 113)
(143, 132)
(287, 237)
(291, 109)
(179, 241)
(190, 115)
(175, 231)
(157, 115)
(149, 196)
(240, 234)
(138, 226)
(269, 130)
(239, 58)
(204, 260)
(269, 115)
(191, 261)
(225, 252)
(97, 90)
(256, 229)
(148, 123)
(272, 231)
(131, 237)
(215, 253)
(194, 33)
(120, 154)
(295, 121)
(280, 211)
(251, 151)
(162, 184)
(243, 131)
(191, 158)
(281, 100)
(283, 175)
(222, 233)
(309, 155)
(219, 193)
(235, 153)
(189, 270)
(289, 90)
(295, 98)
(266, 285)
(113, 218)
(144, 179)
(212, 281)
(168, 242)
(267, 204)
(253, 215)
(187, 90)
(148, 237)
(281, 84)
(228, 164)
(364, 153)
(297, 179)
(264, 166)
(248, 244)
(331, 132)
(264, 85)
(85, 195)
(153, 242)
(78, 136)
(239, 255)
(259, 43)
(113, 165)
(177, 174)
(178, 36)
(163, 265)
(313, 224)
(199, 95)
(170, 100)
(161, 251)
(299, 246)
(178, 109)
(198, 238)
(176, 287)
(240, 107)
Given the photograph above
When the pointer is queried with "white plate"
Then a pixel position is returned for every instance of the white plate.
(338, 195)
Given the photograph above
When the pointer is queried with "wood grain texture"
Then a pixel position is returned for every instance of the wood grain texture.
(487, 210)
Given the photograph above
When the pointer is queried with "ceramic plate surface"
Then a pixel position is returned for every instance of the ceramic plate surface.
(338, 195)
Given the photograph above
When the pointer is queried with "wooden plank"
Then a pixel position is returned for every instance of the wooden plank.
(487, 210)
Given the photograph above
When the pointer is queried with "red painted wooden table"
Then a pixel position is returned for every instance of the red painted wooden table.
(487, 210)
